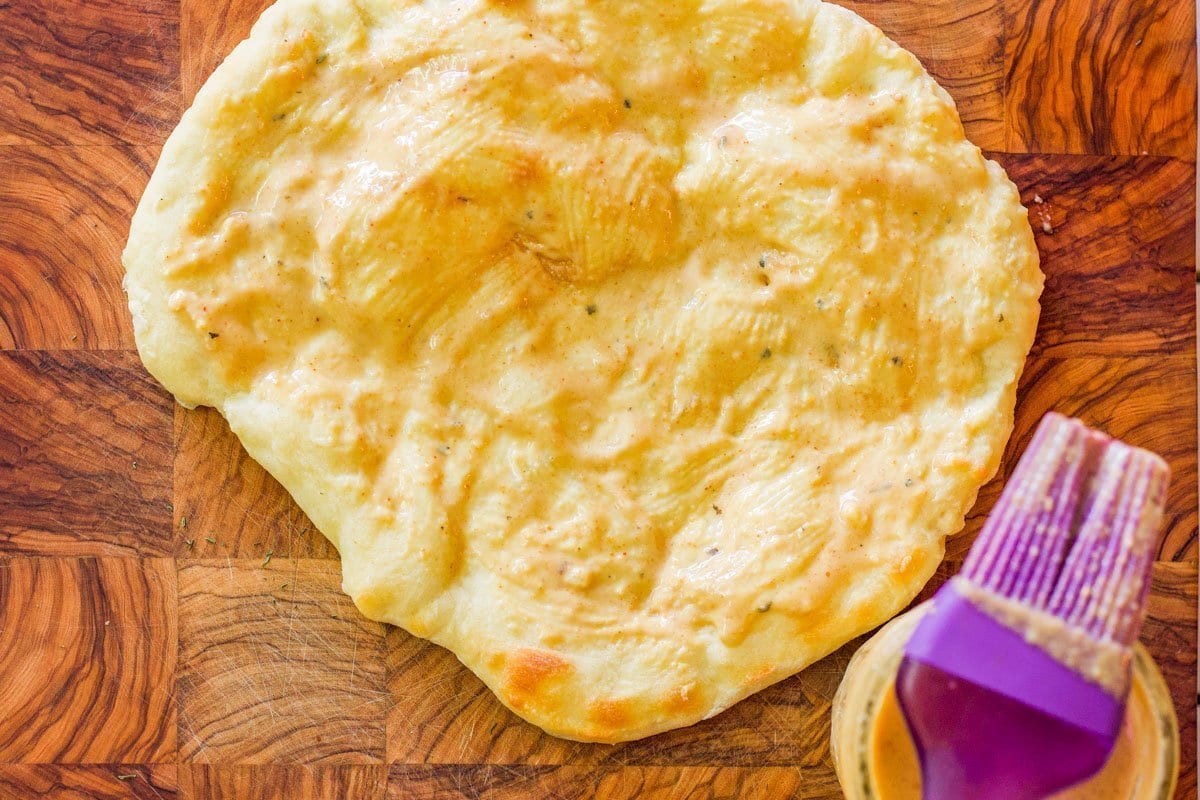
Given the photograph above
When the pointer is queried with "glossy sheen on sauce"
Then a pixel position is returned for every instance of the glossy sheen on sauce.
(640, 353)
(897, 772)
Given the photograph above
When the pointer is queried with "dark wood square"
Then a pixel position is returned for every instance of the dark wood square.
(1118, 244)
(226, 504)
(108, 782)
(85, 456)
(100, 72)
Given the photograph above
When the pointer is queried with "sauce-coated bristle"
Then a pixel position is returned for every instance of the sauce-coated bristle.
(1075, 530)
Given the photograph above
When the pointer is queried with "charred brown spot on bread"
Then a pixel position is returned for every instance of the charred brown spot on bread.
(529, 673)
(611, 715)
(684, 699)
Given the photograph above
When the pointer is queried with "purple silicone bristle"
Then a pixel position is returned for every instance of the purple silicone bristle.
(1075, 530)
(1103, 586)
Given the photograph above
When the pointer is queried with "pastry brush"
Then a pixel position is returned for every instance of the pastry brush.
(1014, 684)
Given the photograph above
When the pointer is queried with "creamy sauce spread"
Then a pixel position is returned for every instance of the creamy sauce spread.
(640, 353)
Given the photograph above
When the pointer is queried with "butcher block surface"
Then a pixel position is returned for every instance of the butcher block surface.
(171, 625)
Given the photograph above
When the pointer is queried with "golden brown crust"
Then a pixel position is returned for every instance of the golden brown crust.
(611, 716)
(684, 701)
(530, 676)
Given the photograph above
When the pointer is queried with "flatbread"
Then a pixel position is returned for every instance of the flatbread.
(639, 353)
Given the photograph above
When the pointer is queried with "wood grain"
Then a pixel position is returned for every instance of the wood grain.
(85, 456)
(1120, 255)
(961, 43)
(1135, 398)
(284, 690)
(442, 714)
(277, 666)
(64, 213)
(491, 782)
(1101, 77)
(205, 782)
(211, 29)
(110, 782)
(1170, 635)
(87, 661)
(100, 72)
(226, 504)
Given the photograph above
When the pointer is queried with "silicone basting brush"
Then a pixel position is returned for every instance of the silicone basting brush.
(1014, 684)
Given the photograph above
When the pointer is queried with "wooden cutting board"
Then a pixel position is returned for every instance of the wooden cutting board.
(170, 623)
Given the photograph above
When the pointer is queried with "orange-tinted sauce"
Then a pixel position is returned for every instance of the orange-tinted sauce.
(897, 773)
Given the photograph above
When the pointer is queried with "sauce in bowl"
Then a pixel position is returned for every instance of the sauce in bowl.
(876, 758)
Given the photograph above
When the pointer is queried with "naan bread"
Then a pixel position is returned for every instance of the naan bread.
(640, 353)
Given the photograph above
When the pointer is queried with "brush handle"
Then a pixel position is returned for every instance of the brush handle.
(962, 640)
(975, 744)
